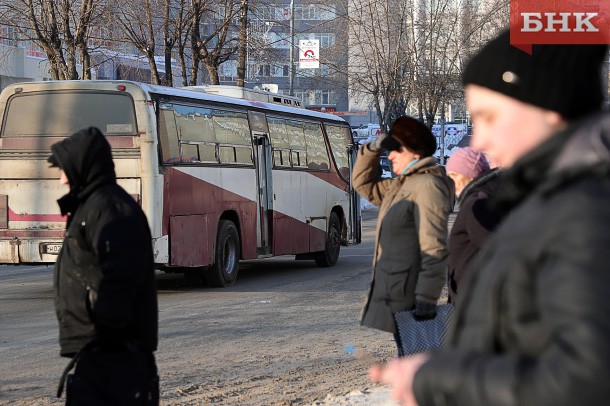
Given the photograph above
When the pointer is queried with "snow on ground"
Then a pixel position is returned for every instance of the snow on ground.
(378, 396)
(365, 205)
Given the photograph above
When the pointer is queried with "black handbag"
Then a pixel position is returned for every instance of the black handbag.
(425, 335)
(125, 377)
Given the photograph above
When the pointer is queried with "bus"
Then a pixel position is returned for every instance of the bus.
(221, 179)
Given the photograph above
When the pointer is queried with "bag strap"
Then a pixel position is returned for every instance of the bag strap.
(62, 380)
(71, 364)
(130, 346)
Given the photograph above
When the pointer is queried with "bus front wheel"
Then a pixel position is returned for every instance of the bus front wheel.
(330, 255)
(224, 271)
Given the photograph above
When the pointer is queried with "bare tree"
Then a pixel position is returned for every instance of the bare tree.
(182, 35)
(195, 31)
(210, 42)
(169, 40)
(379, 56)
(140, 21)
(243, 43)
(261, 47)
(444, 34)
(405, 52)
(176, 28)
(60, 28)
(436, 48)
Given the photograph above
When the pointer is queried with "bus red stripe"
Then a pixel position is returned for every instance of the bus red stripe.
(12, 216)
(44, 143)
(31, 233)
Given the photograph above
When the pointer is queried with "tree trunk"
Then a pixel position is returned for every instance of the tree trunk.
(86, 61)
(212, 69)
(243, 39)
(183, 67)
(53, 70)
(195, 44)
(71, 71)
(154, 72)
(168, 42)
(169, 77)
(194, 69)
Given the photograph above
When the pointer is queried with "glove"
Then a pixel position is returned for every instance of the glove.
(384, 141)
(375, 146)
(424, 311)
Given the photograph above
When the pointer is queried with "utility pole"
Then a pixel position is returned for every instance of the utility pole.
(291, 70)
(442, 134)
(243, 43)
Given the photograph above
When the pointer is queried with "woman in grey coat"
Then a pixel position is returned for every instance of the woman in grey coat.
(410, 249)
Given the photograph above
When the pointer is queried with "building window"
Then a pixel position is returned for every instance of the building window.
(317, 96)
(325, 96)
(279, 70)
(279, 40)
(326, 39)
(315, 11)
(9, 36)
(229, 68)
(263, 70)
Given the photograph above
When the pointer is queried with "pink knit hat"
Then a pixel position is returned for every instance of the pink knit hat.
(468, 162)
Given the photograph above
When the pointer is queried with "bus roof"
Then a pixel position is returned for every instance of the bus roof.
(186, 93)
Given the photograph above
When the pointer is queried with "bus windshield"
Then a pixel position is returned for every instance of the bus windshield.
(54, 114)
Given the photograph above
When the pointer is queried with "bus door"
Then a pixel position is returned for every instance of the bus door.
(354, 212)
(264, 184)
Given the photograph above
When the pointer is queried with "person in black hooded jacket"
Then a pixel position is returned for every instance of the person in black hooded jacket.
(105, 294)
(531, 326)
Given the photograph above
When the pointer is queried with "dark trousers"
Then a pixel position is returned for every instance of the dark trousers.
(126, 377)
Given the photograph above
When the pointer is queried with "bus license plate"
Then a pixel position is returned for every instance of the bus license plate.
(52, 249)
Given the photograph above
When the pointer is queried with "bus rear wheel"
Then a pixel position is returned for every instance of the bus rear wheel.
(330, 255)
(224, 271)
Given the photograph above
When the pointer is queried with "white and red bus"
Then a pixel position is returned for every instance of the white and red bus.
(219, 178)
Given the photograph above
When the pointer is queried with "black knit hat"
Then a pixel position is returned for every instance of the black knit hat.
(412, 134)
(562, 78)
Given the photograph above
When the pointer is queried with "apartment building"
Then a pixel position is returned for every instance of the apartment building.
(270, 43)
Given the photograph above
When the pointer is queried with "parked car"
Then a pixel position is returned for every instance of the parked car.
(385, 162)
(386, 166)
(364, 133)
(367, 140)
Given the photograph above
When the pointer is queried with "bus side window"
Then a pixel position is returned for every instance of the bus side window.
(317, 155)
(279, 141)
(190, 153)
(233, 135)
(195, 126)
(339, 138)
(296, 138)
(277, 158)
(168, 134)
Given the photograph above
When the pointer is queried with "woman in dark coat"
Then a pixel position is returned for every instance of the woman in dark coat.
(475, 185)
